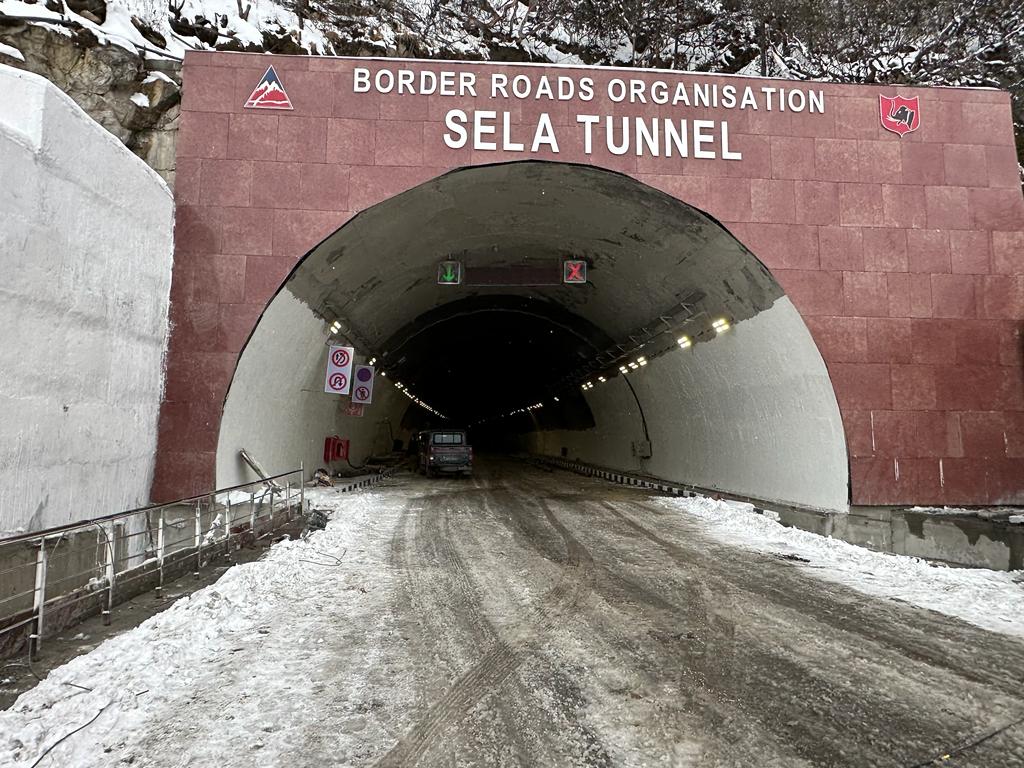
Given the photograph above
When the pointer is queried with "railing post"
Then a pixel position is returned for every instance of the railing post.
(252, 515)
(302, 488)
(227, 529)
(110, 569)
(288, 500)
(39, 601)
(161, 548)
(271, 521)
(198, 536)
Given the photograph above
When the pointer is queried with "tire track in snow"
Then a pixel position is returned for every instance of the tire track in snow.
(880, 729)
(445, 595)
(501, 660)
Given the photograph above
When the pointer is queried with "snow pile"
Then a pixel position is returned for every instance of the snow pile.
(993, 600)
(983, 513)
(181, 657)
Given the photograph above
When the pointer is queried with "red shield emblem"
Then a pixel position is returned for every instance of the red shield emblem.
(899, 115)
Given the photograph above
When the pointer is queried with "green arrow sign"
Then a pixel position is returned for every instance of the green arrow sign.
(449, 273)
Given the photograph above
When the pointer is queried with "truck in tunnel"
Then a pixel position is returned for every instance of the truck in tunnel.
(444, 451)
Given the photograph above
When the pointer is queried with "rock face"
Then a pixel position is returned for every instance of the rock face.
(124, 93)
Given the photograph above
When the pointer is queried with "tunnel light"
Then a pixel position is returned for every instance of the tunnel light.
(557, 400)
(602, 379)
(641, 361)
(371, 361)
(383, 373)
(623, 369)
(633, 366)
(721, 325)
(335, 327)
(684, 342)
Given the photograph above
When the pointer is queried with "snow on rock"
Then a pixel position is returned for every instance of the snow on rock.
(141, 100)
(157, 76)
(993, 600)
(11, 51)
(183, 656)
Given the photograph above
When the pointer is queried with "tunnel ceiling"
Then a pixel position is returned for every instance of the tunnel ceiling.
(653, 261)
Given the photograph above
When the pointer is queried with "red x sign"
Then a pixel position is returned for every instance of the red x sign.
(574, 271)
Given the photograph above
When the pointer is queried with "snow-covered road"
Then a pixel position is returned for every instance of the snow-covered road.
(531, 618)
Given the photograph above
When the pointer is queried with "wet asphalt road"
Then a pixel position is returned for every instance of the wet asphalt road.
(542, 619)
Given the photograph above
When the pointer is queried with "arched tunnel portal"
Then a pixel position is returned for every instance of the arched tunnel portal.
(680, 357)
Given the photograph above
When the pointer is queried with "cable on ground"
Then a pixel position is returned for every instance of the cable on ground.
(71, 733)
(336, 559)
(945, 756)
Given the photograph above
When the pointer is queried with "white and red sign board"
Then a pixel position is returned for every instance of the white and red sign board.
(339, 371)
(354, 409)
(362, 387)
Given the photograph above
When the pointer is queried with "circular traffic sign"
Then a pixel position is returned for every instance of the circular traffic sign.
(364, 374)
(340, 358)
(337, 382)
(362, 393)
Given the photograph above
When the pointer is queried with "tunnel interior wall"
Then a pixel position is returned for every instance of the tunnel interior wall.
(277, 408)
(751, 412)
(86, 252)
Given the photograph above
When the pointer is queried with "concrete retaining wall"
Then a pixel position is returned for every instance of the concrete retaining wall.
(85, 252)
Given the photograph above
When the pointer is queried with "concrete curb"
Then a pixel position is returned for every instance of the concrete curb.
(366, 482)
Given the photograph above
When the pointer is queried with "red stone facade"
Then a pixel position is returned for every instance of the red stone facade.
(905, 255)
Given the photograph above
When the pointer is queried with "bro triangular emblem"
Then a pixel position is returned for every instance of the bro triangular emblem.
(269, 94)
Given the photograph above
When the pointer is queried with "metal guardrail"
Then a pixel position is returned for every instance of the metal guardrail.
(623, 478)
(52, 579)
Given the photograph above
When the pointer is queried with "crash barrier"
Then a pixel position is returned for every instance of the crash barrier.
(592, 470)
(368, 480)
(52, 579)
(975, 539)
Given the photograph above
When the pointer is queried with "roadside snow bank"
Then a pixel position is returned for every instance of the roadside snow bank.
(993, 600)
(252, 619)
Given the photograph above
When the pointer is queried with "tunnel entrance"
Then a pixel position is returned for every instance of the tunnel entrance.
(680, 357)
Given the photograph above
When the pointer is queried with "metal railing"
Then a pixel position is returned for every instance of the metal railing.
(54, 578)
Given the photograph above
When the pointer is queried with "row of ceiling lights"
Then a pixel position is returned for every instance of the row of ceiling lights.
(405, 391)
(719, 326)
(525, 409)
(640, 362)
